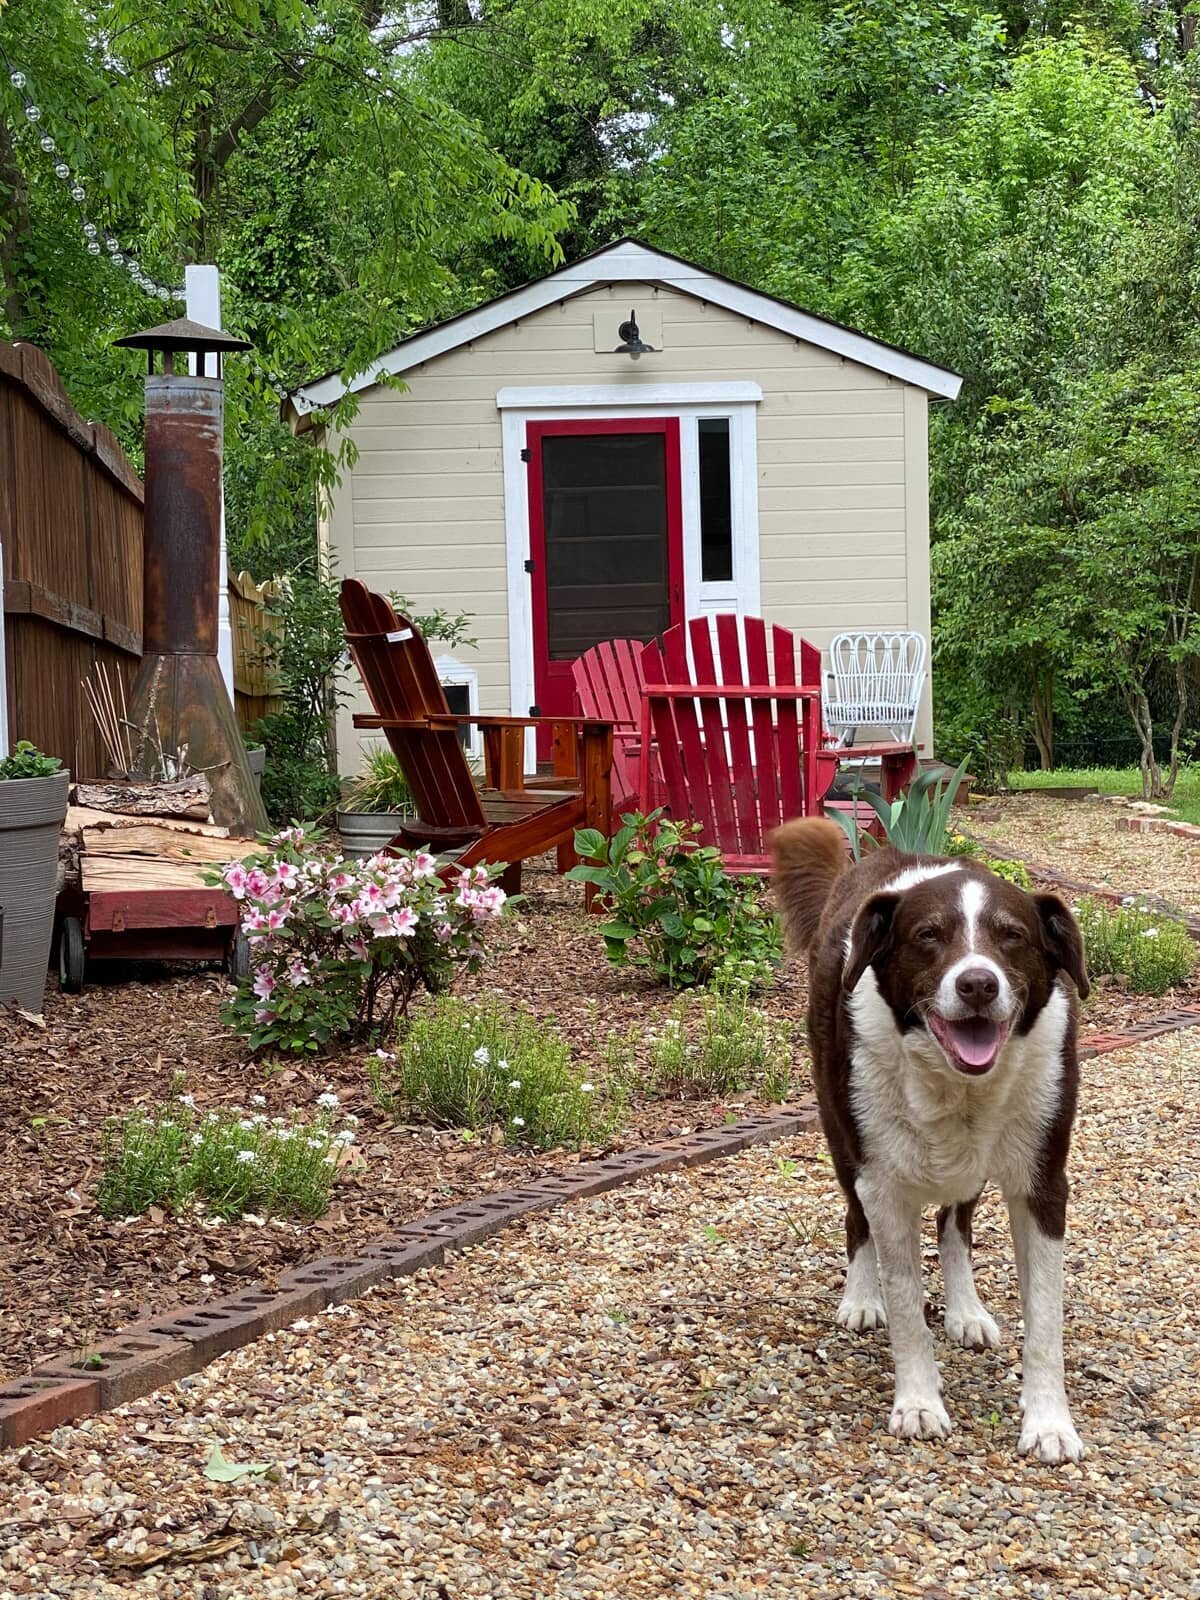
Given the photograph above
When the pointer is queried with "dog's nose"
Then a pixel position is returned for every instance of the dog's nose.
(978, 986)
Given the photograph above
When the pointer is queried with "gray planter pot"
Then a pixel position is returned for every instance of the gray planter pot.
(31, 817)
(256, 760)
(364, 833)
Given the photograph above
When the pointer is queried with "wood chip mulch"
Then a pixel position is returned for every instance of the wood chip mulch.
(69, 1276)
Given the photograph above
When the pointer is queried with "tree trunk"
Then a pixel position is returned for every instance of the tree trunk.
(1182, 672)
(1043, 719)
(1138, 706)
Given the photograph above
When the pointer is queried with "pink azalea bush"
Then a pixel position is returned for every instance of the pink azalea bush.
(339, 947)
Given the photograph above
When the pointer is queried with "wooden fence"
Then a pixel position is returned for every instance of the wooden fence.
(71, 541)
(256, 635)
(71, 557)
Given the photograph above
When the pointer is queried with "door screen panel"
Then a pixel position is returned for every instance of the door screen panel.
(604, 508)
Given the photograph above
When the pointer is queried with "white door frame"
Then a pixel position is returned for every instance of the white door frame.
(689, 402)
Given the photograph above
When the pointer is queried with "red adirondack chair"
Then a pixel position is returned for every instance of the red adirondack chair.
(739, 734)
(505, 821)
(608, 684)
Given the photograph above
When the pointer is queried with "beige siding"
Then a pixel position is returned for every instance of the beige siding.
(842, 489)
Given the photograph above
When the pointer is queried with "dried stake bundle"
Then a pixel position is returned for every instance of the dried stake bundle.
(112, 725)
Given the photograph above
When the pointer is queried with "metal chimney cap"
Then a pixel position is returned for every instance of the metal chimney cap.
(182, 334)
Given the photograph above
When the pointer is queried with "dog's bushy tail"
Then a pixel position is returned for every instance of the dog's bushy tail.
(808, 856)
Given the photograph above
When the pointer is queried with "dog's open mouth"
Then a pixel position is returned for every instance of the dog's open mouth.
(972, 1043)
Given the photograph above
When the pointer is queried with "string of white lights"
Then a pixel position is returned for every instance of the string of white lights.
(97, 240)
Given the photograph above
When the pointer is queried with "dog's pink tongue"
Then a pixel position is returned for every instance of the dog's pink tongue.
(974, 1040)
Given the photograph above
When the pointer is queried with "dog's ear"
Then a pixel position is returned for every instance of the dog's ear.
(1062, 941)
(870, 937)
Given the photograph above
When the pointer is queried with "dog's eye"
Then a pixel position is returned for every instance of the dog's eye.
(928, 934)
(1011, 934)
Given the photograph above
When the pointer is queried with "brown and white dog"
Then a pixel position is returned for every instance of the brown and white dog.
(943, 1038)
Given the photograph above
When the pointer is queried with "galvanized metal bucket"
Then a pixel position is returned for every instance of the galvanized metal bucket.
(31, 817)
(365, 833)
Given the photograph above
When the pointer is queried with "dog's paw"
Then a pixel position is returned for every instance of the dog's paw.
(1049, 1435)
(919, 1417)
(972, 1328)
(861, 1316)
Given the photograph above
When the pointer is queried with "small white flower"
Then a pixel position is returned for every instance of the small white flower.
(187, 1099)
(258, 1099)
(246, 1124)
(283, 1134)
(246, 1156)
(343, 1139)
(329, 1100)
(482, 1056)
(384, 1055)
(518, 1122)
(351, 1122)
(315, 1144)
(1149, 933)
(587, 1088)
(503, 1065)
(515, 1084)
(197, 1139)
(207, 1278)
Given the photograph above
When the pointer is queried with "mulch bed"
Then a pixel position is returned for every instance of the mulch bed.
(68, 1275)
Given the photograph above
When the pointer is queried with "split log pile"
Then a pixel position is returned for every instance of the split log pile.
(142, 836)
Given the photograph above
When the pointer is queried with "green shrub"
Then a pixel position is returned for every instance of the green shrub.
(27, 761)
(917, 821)
(380, 786)
(488, 1065)
(717, 1045)
(224, 1163)
(673, 908)
(1149, 950)
(1013, 871)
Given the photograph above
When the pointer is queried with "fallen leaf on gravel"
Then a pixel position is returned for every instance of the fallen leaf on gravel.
(191, 1555)
(222, 1471)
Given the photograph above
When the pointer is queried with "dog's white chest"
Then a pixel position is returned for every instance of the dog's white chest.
(936, 1133)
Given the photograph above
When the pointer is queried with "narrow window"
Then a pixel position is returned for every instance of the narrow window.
(716, 509)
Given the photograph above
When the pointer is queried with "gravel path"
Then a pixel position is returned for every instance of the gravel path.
(644, 1395)
(1081, 838)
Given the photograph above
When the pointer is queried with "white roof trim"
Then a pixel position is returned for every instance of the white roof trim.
(632, 262)
(633, 393)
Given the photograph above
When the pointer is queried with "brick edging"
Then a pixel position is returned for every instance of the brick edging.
(161, 1349)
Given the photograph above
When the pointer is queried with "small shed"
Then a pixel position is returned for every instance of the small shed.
(541, 473)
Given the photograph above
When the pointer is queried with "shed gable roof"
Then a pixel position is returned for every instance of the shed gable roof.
(627, 260)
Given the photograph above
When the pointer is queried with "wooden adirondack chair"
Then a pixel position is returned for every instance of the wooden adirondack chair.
(740, 734)
(505, 821)
(608, 683)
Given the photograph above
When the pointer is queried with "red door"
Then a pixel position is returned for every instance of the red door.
(605, 541)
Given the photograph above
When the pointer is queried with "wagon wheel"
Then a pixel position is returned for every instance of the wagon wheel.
(237, 962)
(72, 957)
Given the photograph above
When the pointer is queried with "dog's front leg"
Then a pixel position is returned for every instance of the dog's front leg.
(1047, 1431)
(917, 1412)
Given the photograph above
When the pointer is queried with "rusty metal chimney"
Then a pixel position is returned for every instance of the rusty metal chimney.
(183, 721)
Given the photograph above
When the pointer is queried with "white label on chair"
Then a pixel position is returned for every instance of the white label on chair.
(399, 636)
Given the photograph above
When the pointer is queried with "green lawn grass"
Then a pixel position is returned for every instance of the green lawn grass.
(1117, 780)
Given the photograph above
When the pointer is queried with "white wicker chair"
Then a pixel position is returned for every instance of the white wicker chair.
(875, 681)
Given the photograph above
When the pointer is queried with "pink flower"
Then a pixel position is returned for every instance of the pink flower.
(257, 881)
(264, 982)
(340, 880)
(403, 922)
(286, 875)
(298, 973)
(253, 920)
(345, 914)
(277, 920)
(424, 865)
(443, 932)
(235, 879)
(263, 1014)
(357, 948)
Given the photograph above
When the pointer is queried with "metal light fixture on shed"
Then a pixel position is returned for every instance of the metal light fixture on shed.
(180, 711)
(631, 340)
